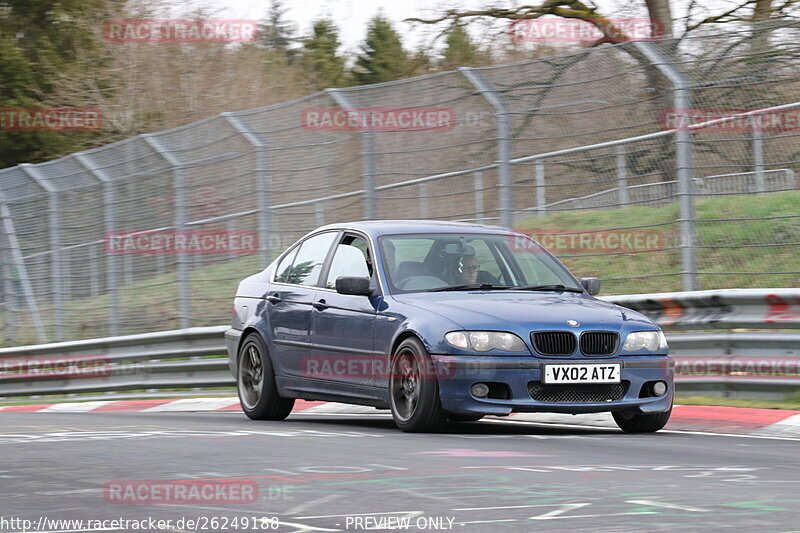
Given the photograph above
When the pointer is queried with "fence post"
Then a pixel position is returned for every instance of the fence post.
(319, 212)
(93, 277)
(541, 192)
(109, 221)
(263, 183)
(18, 262)
(56, 266)
(504, 137)
(622, 176)
(477, 182)
(367, 157)
(179, 187)
(423, 200)
(230, 225)
(684, 161)
(758, 161)
(9, 294)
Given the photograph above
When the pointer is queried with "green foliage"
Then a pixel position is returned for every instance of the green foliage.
(39, 43)
(276, 33)
(383, 57)
(320, 59)
(460, 51)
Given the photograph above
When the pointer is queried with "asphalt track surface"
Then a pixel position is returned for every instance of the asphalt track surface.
(316, 472)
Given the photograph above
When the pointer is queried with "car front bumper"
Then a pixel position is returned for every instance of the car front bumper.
(457, 374)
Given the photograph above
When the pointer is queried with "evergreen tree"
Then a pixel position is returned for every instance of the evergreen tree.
(324, 66)
(39, 43)
(383, 57)
(276, 33)
(460, 51)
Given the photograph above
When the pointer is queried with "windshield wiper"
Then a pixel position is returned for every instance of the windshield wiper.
(546, 288)
(471, 287)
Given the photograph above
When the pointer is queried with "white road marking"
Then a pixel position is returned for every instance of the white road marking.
(77, 407)
(193, 404)
(651, 503)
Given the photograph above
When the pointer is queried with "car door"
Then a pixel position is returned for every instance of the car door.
(342, 325)
(289, 300)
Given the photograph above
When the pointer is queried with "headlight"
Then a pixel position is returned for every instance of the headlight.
(485, 341)
(650, 341)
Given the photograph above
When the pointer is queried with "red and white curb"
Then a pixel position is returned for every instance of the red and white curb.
(775, 422)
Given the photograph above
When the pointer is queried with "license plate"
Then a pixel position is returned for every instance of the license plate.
(577, 373)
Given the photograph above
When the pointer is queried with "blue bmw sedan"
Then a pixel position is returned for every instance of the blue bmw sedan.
(441, 321)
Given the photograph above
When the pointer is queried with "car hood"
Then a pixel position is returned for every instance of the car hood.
(525, 311)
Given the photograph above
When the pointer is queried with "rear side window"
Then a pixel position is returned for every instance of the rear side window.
(285, 266)
(307, 262)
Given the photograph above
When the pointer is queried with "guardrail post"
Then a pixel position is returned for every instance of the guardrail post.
(541, 192)
(477, 183)
(622, 175)
(56, 266)
(369, 172)
(109, 221)
(263, 184)
(18, 265)
(684, 161)
(758, 161)
(504, 137)
(179, 187)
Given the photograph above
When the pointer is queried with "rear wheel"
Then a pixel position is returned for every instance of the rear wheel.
(631, 422)
(414, 389)
(258, 393)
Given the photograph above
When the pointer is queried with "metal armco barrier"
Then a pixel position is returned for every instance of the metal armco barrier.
(186, 358)
(718, 309)
(763, 363)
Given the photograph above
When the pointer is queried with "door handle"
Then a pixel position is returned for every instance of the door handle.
(274, 298)
(320, 305)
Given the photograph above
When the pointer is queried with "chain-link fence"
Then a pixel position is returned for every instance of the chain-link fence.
(582, 150)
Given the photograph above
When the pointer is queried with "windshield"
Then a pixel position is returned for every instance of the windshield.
(425, 262)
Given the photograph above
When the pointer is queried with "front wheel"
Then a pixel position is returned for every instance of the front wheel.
(641, 423)
(414, 389)
(255, 382)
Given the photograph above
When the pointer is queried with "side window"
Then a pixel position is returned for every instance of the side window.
(350, 261)
(309, 259)
(285, 266)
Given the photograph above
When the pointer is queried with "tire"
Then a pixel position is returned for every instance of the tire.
(453, 417)
(641, 423)
(414, 402)
(255, 382)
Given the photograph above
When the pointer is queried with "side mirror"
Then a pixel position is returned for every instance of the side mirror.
(592, 285)
(357, 286)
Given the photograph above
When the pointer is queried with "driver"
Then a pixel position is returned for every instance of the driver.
(466, 270)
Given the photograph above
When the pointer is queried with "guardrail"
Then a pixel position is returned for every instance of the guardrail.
(765, 363)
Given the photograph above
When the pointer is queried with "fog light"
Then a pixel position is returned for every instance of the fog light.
(659, 388)
(480, 390)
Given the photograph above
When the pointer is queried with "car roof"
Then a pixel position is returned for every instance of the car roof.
(394, 227)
